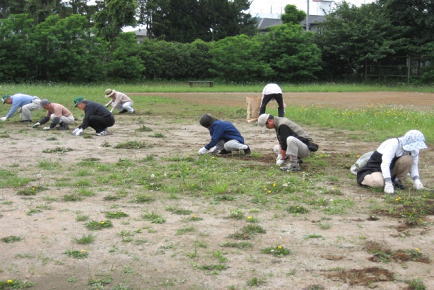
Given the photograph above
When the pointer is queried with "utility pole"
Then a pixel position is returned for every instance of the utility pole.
(307, 16)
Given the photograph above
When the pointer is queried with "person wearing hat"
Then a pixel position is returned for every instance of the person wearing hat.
(294, 143)
(58, 114)
(225, 138)
(119, 101)
(392, 161)
(22, 102)
(270, 92)
(96, 116)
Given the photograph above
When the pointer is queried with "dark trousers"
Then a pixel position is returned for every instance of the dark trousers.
(268, 98)
(100, 123)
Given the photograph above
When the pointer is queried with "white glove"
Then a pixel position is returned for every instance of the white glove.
(388, 188)
(111, 111)
(37, 124)
(417, 184)
(77, 131)
(202, 151)
(280, 162)
(3, 119)
(46, 128)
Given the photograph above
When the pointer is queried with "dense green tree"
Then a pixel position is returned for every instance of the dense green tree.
(16, 50)
(113, 15)
(125, 62)
(291, 53)
(292, 15)
(352, 36)
(238, 58)
(41, 9)
(187, 20)
(8, 7)
(67, 50)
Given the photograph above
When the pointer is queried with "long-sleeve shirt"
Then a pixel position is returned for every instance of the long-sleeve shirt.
(119, 98)
(391, 149)
(92, 109)
(223, 130)
(18, 100)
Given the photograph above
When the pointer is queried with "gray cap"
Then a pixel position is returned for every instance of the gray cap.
(206, 120)
(44, 102)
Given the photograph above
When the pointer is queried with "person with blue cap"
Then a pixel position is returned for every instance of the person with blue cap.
(23, 103)
(392, 161)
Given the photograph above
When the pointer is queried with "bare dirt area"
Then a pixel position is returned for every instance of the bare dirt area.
(420, 101)
(186, 251)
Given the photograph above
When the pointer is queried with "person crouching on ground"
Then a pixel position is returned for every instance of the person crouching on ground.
(119, 101)
(294, 143)
(225, 138)
(392, 161)
(22, 102)
(96, 116)
(58, 114)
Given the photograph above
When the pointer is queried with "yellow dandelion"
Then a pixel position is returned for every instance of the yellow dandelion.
(10, 281)
(274, 185)
(249, 217)
(102, 222)
(417, 249)
(280, 247)
(269, 191)
(83, 251)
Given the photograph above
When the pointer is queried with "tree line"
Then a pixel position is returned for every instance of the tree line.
(54, 40)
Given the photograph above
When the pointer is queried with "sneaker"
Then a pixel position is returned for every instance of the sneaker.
(291, 168)
(247, 150)
(102, 133)
(397, 184)
(224, 152)
(123, 111)
(63, 126)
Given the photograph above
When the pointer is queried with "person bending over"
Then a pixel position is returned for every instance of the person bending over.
(96, 116)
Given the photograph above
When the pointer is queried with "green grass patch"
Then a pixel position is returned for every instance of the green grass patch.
(98, 225)
(154, 218)
(77, 254)
(132, 145)
(237, 245)
(115, 214)
(144, 129)
(248, 232)
(60, 150)
(85, 239)
(185, 230)
(33, 190)
(297, 209)
(11, 239)
(179, 211)
(10, 179)
(15, 284)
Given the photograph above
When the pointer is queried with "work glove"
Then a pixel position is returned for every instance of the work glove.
(417, 184)
(279, 160)
(3, 119)
(77, 131)
(388, 188)
(202, 151)
(37, 124)
(46, 128)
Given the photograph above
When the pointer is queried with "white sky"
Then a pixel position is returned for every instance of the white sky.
(273, 8)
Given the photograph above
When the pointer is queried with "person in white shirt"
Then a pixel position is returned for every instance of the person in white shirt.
(270, 92)
(392, 161)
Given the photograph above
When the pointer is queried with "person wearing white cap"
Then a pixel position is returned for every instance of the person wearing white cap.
(270, 92)
(392, 161)
(294, 143)
(119, 101)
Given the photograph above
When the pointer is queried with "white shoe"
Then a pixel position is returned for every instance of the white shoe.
(102, 133)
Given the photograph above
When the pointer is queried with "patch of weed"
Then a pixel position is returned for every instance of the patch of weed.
(115, 214)
(415, 284)
(81, 218)
(278, 251)
(143, 198)
(77, 254)
(15, 284)
(98, 225)
(144, 129)
(237, 245)
(256, 282)
(33, 190)
(247, 232)
(85, 239)
(72, 197)
(154, 218)
(297, 209)
(132, 145)
(236, 214)
(185, 230)
(60, 150)
(178, 211)
(11, 239)
(157, 135)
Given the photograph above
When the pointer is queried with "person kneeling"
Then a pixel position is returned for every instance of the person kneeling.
(225, 138)
(392, 161)
(294, 143)
(96, 116)
(58, 114)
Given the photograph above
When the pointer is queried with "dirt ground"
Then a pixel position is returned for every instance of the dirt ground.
(420, 101)
(159, 259)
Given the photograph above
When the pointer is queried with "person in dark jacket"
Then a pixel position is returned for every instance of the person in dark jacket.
(225, 138)
(294, 143)
(96, 116)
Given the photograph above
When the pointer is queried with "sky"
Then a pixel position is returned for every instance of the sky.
(273, 8)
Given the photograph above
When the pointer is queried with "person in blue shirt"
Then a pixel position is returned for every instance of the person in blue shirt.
(21, 101)
(225, 138)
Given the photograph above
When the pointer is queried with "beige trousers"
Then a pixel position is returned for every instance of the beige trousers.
(26, 113)
(400, 170)
(294, 147)
(67, 120)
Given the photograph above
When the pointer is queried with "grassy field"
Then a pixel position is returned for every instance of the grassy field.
(63, 90)
(140, 210)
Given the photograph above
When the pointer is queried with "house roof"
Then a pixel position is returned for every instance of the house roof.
(265, 23)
